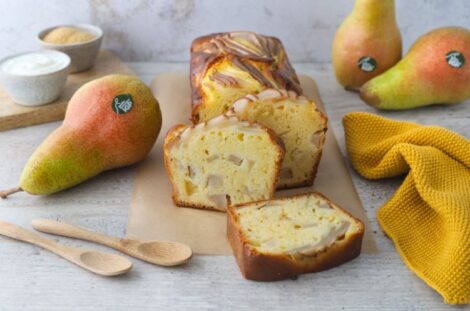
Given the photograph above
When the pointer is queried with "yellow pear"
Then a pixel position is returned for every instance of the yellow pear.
(434, 71)
(367, 43)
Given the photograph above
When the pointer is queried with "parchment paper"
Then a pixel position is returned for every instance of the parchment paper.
(154, 216)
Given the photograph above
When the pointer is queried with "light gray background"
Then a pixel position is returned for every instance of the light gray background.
(162, 30)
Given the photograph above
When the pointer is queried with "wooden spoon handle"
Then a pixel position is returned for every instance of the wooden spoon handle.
(18, 233)
(72, 231)
(72, 254)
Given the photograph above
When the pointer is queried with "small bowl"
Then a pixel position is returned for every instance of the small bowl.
(82, 54)
(38, 89)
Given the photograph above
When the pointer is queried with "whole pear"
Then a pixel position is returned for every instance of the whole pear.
(434, 71)
(110, 122)
(367, 43)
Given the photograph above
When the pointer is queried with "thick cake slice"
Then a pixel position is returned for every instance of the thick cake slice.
(222, 162)
(282, 238)
(299, 124)
(227, 66)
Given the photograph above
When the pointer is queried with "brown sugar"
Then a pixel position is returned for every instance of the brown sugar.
(67, 35)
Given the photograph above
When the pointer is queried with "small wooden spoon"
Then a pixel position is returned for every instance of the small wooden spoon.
(95, 261)
(156, 252)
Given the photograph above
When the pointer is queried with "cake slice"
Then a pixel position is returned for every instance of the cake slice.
(282, 238)
(299, 124)
(222, 162)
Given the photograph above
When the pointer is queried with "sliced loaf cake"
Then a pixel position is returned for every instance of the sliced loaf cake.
(299, 124)
(282, 238)
(222, 162)
(227, 66)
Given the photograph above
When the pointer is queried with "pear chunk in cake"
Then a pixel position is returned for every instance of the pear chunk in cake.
(299, 124)
(282, 238)
(222, 162)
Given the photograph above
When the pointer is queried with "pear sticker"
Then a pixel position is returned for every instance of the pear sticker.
(122, 103)
(455, 59)
(367, 64)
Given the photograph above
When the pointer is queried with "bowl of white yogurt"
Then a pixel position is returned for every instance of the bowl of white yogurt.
(34, 78)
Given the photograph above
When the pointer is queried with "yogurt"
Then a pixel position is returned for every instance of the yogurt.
(35, 63)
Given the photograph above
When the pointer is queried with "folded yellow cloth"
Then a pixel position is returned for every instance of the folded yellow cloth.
(428, 218)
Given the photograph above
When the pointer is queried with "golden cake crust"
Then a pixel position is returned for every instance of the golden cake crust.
(173, 136)
(264, 58)
(257, 266)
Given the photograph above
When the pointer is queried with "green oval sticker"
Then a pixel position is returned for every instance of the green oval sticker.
(122, 103)
(367, 64)
(455, 59)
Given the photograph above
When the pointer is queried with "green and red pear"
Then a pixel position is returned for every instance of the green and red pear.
(110, 122)
(434, 71)
(367, 43)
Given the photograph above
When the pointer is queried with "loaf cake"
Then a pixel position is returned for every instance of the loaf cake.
(299, 124)
(222, 162)
(227, 66)
(282, 238)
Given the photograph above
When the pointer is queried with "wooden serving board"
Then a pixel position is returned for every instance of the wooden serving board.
(13, 115)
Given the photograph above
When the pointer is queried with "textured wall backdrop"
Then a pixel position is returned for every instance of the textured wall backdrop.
(161, 30)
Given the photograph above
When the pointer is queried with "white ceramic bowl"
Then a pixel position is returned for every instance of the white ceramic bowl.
(35, 89)
(82, 54)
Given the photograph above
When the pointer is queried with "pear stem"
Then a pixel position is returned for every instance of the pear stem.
(354, 89)
(5, 193)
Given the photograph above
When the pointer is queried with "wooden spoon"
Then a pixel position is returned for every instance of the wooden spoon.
(95, 261)
(156, 252)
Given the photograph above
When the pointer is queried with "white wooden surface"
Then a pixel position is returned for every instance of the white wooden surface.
(34, 279)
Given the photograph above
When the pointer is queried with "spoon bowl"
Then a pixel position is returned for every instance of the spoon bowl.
(163, 253)
(104, 263)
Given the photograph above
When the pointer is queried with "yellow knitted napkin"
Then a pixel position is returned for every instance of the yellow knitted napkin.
(428, 218)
